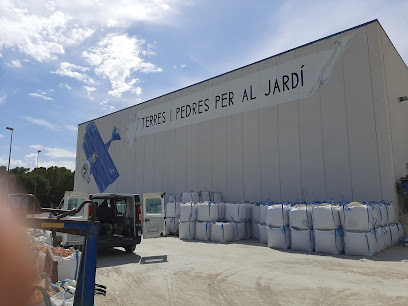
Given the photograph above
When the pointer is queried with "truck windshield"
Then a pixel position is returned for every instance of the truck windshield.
(75, 203)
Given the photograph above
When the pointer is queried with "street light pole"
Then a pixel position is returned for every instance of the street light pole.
(35, 185)
(11, 141)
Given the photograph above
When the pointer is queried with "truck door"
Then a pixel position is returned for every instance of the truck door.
(153, 215)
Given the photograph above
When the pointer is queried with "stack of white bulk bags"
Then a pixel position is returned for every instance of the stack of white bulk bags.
(222, 232)
(358, 223)
(205, 196)
(187, 230)
(379, 237)
(248, 222)
(255, 220)
(394, 227)
(326, 228)
(263, 238)
(172, 215)
(396, 232)
(216, 197)
(263, 208)
(221, 210)
(207, 211)
(278, 233)
(240, 230)
(179, 197)
(187, 223)
(203, 230)
(301, 228)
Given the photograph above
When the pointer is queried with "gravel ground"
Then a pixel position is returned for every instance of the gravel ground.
(168, 271)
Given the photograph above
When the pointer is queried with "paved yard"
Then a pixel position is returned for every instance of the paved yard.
(168, 271)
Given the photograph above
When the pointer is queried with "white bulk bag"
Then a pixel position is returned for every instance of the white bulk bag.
(278, 237)
(379, 236)
(172, 198)
(187, 197)
(248, 229)
(263, 208)
(255, 213)
(178, 197)
(401, 230)
(222, 232)
(357, 217)
(188, 212)
(359, 243)
(248, 207)
(263, 238)
(376, 215)
(235, 212)
(68, 267)
(205, 196)
(396, 230)
(187, 230)
(255, 230)
(221, 211)
(172, 210)
(328, 241)
(387, 236)
(300, 216)
(301, 240)
(277, 215)
(240, 231)
(216, 197)
(391, 212)
(207, 211)
(172, 226)
(203, 231)
(325, 217)
(383, 214)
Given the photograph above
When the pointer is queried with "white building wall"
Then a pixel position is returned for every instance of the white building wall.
(335, 141)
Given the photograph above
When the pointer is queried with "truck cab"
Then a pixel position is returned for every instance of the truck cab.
(123, 218)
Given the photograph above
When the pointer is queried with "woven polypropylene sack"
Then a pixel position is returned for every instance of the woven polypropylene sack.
(221, 211)
(255, 213)
(235, 212)
(376, 215)
(278, 237)
(383, 214)
(396, 233)
(379, 236)
(360, 243)
(278, 215)
(187, 230)
(203, 230)
(188, 212)
(387, 236)
(248, 227)
(300, 216)
(172, 226)
(255, 231)
(240, 231)
(248, 207)
(178, 197)
(262, 213)
(172, 210)
(328, 241)
(357, 217)
(392, 213)
(205, 196)
(325, 217)
(207, 211)
(222, 232)
(263, 238)
(301, 240)
(216, 197)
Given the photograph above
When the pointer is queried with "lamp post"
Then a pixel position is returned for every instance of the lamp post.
(11, 141)
(35, 185)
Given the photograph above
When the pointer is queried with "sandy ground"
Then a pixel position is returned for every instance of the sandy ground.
(168, 271)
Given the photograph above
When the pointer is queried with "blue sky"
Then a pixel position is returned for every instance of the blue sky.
(65, 62)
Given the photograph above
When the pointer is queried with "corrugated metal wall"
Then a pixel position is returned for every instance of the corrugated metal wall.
(336, 141)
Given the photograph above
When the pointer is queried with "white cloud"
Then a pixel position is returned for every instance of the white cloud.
(1, 136)
(3, 99)
(68, 69)
(58, 153)
(64, 85)
(39, 122)
(116, 58)
(41, 96)
(14, 64)
(37, 147)
(72, 128)
(111, 23)
(183, 66)
(58, 163)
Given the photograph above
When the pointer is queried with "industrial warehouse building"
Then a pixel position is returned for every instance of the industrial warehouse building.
(314, 122)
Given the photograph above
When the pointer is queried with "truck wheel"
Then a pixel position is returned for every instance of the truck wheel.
(130, 248)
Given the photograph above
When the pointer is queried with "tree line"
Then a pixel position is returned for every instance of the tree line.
(47, 184)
